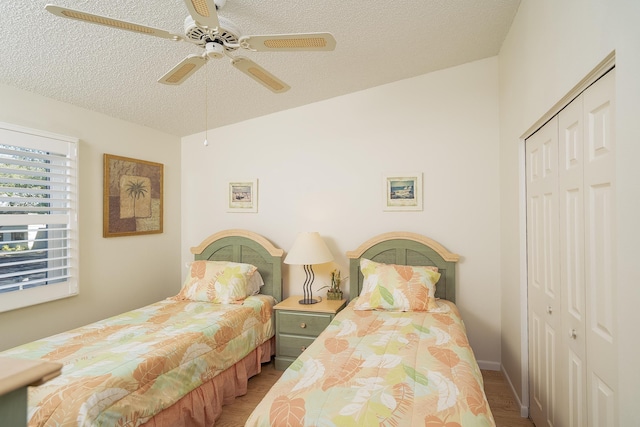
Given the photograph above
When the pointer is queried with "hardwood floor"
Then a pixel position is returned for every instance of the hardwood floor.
(503, 404)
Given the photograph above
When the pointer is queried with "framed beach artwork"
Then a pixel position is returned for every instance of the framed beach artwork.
(243, 196)
(132, 197)
(402, 192)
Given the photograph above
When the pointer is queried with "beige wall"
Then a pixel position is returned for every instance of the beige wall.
(116, 274)
(551, 46)
(320, 169)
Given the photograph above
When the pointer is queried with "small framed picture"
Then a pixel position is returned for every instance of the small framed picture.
(402, 192)
(243, 196)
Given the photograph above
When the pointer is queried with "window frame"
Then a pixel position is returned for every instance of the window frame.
(25, 137)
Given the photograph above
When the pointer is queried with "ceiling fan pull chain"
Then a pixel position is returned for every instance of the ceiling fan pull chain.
(206, 110)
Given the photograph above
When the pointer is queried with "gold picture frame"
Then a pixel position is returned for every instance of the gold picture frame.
(402, 192)
(132, 197)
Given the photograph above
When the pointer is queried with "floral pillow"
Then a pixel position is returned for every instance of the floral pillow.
(219, 282)
(397, 287)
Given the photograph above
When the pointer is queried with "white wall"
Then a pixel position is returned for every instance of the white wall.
(551, 46)
(118, 273)
(320, 169)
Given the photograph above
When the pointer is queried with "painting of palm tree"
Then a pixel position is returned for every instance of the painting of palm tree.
(132, 196)
(134, 202)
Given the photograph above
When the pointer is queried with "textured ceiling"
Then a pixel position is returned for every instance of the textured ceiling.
(115, 72)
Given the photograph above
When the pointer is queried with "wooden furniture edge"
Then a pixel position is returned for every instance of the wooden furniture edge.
(324, 306)
(440, 250)
(261, 240)
(18, 373)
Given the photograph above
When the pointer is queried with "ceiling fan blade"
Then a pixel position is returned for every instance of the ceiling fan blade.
(183, 70)
(259, 74)
(204, 13)
(110, 22)
(289, 42)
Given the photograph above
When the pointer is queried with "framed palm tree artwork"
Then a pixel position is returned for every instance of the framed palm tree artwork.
(132, 201)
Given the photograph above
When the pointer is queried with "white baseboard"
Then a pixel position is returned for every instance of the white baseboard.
(489, 366)
(524, 410)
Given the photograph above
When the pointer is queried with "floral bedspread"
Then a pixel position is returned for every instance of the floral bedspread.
(125, 369)
(378, 368)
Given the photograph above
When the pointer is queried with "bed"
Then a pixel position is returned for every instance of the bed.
(376, 364)
(174, 362)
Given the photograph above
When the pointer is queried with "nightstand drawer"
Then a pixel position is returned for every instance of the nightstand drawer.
(297, 323)
(292, 345)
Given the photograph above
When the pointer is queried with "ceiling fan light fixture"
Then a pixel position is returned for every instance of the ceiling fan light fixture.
(214, 50)
(218, 37)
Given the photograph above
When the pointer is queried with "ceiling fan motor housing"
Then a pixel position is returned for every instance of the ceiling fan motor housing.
(227, 35)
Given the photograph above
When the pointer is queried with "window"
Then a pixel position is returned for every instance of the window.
(38, 217)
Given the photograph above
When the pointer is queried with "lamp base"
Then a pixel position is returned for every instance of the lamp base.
(308, 301)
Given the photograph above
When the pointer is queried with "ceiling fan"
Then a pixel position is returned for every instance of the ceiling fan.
(218, 37)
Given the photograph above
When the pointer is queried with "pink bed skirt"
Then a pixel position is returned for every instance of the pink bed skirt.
(203, 406)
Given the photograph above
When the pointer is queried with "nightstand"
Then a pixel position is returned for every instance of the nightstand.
(15, 376)
(298, 325)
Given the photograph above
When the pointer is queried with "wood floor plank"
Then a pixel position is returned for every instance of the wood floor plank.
(504, 407)
(501, 400)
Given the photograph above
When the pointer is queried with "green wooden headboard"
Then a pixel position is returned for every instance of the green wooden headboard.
(247, 247)
(405, 249)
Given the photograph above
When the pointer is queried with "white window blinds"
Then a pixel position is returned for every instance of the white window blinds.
(38, 218)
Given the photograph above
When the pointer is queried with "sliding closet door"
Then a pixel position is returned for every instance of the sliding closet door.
(543, 272)
(600, 257)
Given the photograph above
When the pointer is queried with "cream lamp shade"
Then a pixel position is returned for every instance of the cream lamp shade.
(308, 249)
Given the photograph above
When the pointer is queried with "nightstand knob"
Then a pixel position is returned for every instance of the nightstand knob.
(303, 325)
(303, 348)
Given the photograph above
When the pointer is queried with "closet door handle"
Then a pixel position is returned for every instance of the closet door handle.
(549, 309)
(573, 334)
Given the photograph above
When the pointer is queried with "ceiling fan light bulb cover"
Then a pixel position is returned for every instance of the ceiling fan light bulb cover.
(214, 50)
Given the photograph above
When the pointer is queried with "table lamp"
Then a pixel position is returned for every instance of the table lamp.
(307, 250)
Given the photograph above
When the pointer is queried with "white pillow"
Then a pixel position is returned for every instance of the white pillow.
(255, 283)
